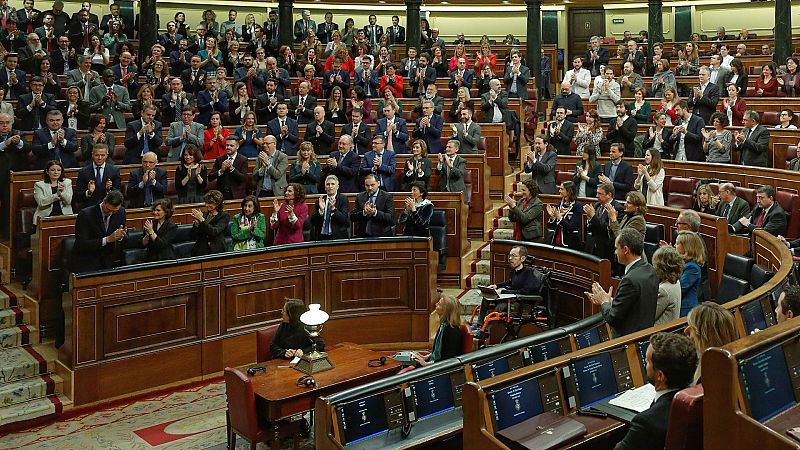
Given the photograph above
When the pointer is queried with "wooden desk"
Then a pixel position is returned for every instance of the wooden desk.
(279, 397)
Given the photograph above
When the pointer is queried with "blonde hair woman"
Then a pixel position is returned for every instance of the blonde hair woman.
(690, 246)
(709, 325)
(650, 180)
(448, 342)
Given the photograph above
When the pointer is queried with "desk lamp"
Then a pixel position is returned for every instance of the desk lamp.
(315, 361)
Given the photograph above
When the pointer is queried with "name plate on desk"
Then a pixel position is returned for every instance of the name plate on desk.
(542, 432)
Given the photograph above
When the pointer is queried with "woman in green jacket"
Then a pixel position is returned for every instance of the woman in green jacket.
(249, 227)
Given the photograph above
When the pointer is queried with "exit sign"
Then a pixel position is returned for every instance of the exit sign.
(617, 20)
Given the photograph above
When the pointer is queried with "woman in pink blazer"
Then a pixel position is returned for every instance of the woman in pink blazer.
(288, 218)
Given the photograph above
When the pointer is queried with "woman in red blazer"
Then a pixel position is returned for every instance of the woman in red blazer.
(215, 136)
(288, 218)
(733, 106)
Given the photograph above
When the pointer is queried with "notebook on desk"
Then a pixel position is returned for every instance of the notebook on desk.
(493, 293)
(542, 432)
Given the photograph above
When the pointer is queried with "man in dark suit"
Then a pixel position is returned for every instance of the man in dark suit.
(175, 101)
(81, 31)
(32, 108)
(99, 232)
(671, 361)
(595, 56)
(209, 101)
(96, 179)
(451, 170)
(230, 171)
(687, 134)
(142, 136)
(429, 128)
(254, 79)
(55, 142)
(752, 141)
(335, 77)
(560, 132)
(13, 157)
(344, 163)
(516, 77)
(597, 216)
(494, 103)
(635, 57)
(396, 32)
(460, 40)
(127, 25)
(394, 129)
(285, 130)
(467, 132)
(325, 29)
(320, 132)
(125, 74)
(302, 25)
(618, 172)
(633, 308)
(91, 17)
(373, 32)
(267, 103)
(359, 131)
(331, 217)
(731, 206)
(12, 78)
(147, 183)
(180, 58)
(705, 97)
(461, 77)
(28, 18)
(301, 106)
(420, 78)
(63, 57)
(367, 79)
(12, 38)
(194, 79)
(768, 215)
(170, 39)
(623, 129)
(541, 161)
(381, 163)
(374, 210)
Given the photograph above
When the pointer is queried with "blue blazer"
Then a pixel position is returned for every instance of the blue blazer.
(136, 195)
(65, 154)
(288, 144)
(385, 172)
(205, 106)
(346, 171)
(690, 285)
(399, 137)
(569, 227)
(133, 85)
(370, 84)
(18, 89)
(432, 135)
(466, 81)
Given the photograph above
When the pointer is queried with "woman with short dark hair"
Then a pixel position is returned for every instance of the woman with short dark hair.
(418, 211)
(98, 134)
(209, 228)
(292, 339)
(248, 228)
(159, 232)
(191, 176)
(565, 219)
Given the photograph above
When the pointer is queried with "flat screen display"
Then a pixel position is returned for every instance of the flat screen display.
(753, 317)
(491, 369)
(594, 379)
(545, 350)
(433, 396)
(516, 403)
(588, 338)
(362, 419)
(766, 382)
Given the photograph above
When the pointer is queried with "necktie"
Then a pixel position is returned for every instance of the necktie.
(368, 229)
(267, 178)
(760, 221)
(726, 211)
(249, 87)
(86, 35)
(110, 91)
(124, 71)
(49, 42)
(302, 100)
(30, 23)
(326, 224)
(145, 139)
(65, 57)
(148, 193)
(106, 221)
(178, 107)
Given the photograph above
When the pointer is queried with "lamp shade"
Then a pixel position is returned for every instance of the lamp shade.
(314, 316)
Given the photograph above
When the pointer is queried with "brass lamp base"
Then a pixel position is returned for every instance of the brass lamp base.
(314, 362)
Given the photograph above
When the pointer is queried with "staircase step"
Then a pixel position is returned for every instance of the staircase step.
(501, 233)
(483, 267)
(474, 280)
(12, 317)
(469, 300)
(29, 389)
(19, 363)
(18, 336)
(486, 251)
(31, 412)
(7, 298)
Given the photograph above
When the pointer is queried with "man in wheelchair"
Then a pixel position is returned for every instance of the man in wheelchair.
(524, 280)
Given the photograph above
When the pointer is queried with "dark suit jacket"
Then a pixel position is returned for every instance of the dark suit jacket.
(634, 305)
(23, 22)
(83, 114)
(161, 248)
(381, 223)
(199, 83)
(87, 174)
(264, 109)
(562, 140)
(206, 107)
(666, 133)
(133, 84)
(623, 182)
(740, 209)
(706, 105)
(396, 37)
(466, 81)
(428, 78)
(601, 233)
(521, 82)
(649, 428)
(135, 194)
(322, 143)
(340, 218)
(385, 172)
(18, 89)
(89, 252)
(755, 146)
(693, 141)
(569, 226)
(488, 108)
(594, 66)
(58, 62)
(432, 135)
(209, 235)
(774, 221)
(233, 183)
(41, 139)
(37, 117)
(529, 218)
(543, 172)
(324, 34)
(76, 32)
(626, 134)
(286, 144)
(452, 179)
(399, 137)
(305, 116)
(346, 170)
(363, 141)
(134, 145)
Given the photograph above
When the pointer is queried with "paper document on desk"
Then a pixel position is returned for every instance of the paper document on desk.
(295, 360)
(638, 399)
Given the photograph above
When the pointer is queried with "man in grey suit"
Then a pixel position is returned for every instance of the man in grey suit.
(541, 163)
(270, 172)
(83, 77)
(451, 170)
(633, 308)
(494, 103)
(111, 100)
(730, 205)
(516, 77)
(301, 26)
(467, 132)
(753, 140)
(182, 133)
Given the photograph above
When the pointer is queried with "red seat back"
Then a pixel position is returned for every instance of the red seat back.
(466, 337)
(264, 338)
(681, 192)
(790, 202)
(685, 428)
(770, 118)
(241, 404)
(748, 194)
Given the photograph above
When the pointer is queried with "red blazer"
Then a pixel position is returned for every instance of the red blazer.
(483, 60)
(287, 232)
(397, 87)
(738, 111)
(770, 89)
(218, 149)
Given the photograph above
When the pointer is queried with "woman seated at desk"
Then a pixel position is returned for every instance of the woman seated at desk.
(449, 342)
(292, 339)
(53, 194)
(709, 325)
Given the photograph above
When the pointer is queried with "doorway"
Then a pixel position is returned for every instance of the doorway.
(583, 24)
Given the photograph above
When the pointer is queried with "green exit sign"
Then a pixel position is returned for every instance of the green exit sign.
(617, 20)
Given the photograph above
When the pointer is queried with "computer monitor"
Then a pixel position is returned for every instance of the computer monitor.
(362, 419)
(753, 316)
(432, 396)
(546, 350)
(641, 352)
(592, 336)
(593, 378)
(495, 367)
(515, 403)
(766, 383)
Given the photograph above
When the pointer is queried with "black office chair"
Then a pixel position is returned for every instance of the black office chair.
(735, 278)
(438, 227)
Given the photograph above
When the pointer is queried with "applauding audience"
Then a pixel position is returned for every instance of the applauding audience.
(526, 213)
(159, 232)
(248, 228)
(288, 218)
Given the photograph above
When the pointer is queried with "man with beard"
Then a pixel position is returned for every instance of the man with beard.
(32, 54)
(623, 129)
(570, 101)
(467, 132)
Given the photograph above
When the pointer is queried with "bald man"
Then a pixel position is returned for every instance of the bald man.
(320, 132)
(147, 184)
(569, 100)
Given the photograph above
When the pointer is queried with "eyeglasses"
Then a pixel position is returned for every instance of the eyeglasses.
(681, 223)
